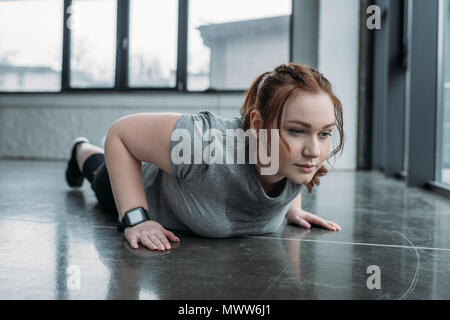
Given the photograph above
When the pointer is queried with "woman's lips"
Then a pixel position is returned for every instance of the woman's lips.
(305, 169)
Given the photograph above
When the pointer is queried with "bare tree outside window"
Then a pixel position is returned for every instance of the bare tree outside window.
(153, 43)
(93, 47)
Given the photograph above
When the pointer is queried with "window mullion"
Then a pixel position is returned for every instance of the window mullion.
(65, 68)
(122, 47)
(183, 7)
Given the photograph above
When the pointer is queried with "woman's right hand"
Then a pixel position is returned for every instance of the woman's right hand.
(151, 235)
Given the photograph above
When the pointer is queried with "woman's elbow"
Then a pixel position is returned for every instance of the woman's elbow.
(111, 140)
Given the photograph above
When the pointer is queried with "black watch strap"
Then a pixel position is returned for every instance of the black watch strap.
(120, 228)
(133, 217)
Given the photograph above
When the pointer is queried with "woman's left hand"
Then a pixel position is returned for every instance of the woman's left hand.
(305, 219)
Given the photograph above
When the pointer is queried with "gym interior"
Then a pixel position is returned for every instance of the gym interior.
(71, 68)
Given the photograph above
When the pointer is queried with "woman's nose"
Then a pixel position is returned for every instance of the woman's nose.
(311, 148)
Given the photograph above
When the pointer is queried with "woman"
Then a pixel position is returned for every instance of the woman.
(139, 176)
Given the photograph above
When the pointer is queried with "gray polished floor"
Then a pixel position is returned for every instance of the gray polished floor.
(56, 243)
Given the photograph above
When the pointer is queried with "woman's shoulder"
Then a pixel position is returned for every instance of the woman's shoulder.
(221, 121)
(207, 119)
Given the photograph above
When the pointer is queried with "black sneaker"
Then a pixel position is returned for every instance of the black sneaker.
(74, 177)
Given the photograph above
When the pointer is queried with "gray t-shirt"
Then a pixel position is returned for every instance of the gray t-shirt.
(214, 200)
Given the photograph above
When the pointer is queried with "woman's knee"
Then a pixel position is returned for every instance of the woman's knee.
(103, 191)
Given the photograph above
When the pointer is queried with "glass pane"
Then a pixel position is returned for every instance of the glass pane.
(232, 41)
(153, 43)
(30, 45)
(93, 43)
(445, 111)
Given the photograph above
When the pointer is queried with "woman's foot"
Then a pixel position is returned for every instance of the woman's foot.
(74, 176)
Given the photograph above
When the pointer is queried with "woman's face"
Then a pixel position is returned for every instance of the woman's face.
(307, 121)
(309, 144)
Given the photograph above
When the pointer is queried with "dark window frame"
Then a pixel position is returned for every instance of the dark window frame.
(421, 54)
(434, 185)
(424, 92)
(122, 48)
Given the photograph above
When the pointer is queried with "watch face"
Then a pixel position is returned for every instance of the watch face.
(135, 216)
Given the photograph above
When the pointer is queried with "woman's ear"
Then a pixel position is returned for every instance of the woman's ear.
(256, 122)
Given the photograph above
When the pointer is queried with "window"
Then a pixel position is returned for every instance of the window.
(153, 43)
(233, 41)
(224, 44)
(443, 136)
(30, 45)
(93, 43)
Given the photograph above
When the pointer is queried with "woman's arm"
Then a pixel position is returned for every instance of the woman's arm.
(124, 171)
(130, 140)
(296, 203)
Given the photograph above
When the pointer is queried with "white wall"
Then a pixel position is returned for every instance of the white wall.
(338, 61)
(42, 126)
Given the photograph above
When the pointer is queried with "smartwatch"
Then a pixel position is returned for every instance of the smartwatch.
(133, 217)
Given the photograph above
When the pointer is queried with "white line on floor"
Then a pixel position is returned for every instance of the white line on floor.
(416, 274)
(352, 243)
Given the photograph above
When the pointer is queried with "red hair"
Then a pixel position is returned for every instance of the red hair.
(269, 92)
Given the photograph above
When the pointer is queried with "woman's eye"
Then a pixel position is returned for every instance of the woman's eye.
(326, 135)
(323, 135)
(296, 131)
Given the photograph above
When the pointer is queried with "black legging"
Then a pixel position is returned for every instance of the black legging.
(94, 170)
